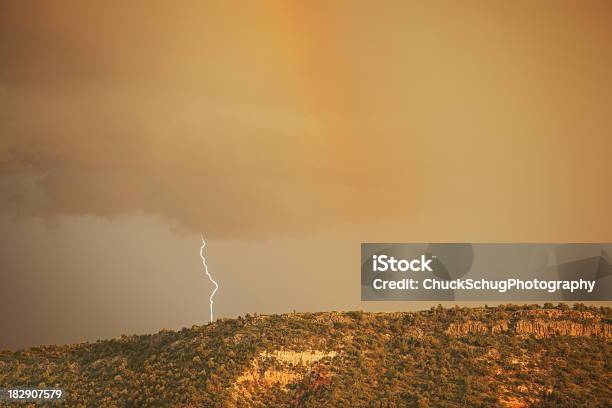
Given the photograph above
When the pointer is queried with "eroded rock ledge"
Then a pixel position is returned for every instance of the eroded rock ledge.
(538, 326)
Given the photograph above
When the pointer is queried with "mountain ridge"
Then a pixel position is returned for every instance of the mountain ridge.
(507, 356)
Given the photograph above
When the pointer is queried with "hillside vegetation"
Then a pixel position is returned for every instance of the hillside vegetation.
(508, 356)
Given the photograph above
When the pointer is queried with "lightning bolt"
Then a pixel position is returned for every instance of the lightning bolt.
(209, 277)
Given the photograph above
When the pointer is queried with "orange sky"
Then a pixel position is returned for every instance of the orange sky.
(303, 127)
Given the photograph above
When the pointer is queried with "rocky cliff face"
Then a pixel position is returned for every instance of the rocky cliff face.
(477, 327)
(539, 323)
(279, 369)
(545, 328)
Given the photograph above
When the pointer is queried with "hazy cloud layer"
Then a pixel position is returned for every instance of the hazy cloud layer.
(282, 116)
(211, 124)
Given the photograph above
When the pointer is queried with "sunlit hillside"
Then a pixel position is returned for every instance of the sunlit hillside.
(508, 356)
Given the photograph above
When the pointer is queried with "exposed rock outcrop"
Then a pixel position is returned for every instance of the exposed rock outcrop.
(461, 329)
(306, 358)
(477, 327)
(546, 328)
(290, 368)
(552, 323)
